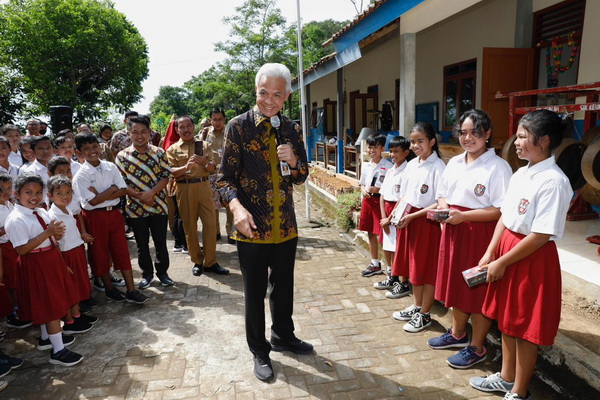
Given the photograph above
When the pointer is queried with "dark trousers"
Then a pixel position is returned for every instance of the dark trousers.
(255, 261)
(156, 226)
(178, 232)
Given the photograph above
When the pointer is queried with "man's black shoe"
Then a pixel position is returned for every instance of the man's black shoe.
(218, 237)
(217, 269)
(295, 346)
(197, 269)
(263, 369)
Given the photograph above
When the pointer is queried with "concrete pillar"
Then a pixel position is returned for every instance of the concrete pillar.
(406, 108)
(524, 24)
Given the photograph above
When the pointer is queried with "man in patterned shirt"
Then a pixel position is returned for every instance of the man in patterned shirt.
(259, 194)
(146, 172)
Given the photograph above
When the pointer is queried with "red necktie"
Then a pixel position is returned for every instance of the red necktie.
(45, 226)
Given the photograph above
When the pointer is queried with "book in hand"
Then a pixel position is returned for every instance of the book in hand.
(473, 276)
(400, 211)
(438, 215)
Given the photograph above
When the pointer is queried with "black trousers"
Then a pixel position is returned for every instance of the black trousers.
(156, 226)
(178, 232)
(255, 262)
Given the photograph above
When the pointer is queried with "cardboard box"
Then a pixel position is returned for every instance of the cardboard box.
(438, 215)
(400, 211)
(473, 276)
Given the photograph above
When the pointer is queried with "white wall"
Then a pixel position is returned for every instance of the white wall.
(324, 88)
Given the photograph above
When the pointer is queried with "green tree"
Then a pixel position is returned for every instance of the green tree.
(11, 97)
(170, 100)
(82, 53)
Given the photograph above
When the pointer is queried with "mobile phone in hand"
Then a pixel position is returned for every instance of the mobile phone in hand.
(199, 148)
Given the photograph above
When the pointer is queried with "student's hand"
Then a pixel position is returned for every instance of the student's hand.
(70, 270)
(385, 224)
(365, 191)
(404, 221)
(486, 259)
(56, 228)
(455, 217)
(93, 190)
(87, 238)
(495, 271)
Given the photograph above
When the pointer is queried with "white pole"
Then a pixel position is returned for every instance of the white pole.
(302, 99)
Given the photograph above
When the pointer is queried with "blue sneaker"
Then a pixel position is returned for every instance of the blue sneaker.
(447, 341)
(466, 358)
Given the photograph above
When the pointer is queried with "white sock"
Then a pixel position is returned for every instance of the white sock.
(44, 332)
(374, 261)
(57, 342)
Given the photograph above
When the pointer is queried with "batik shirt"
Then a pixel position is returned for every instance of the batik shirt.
(142, 172)
(250, 172)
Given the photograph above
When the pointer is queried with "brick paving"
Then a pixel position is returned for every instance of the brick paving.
(188, 341)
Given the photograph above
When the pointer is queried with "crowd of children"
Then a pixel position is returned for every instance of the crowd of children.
(473, 213)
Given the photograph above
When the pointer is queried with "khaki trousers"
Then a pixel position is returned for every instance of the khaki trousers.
(228, 224)
(195, 201)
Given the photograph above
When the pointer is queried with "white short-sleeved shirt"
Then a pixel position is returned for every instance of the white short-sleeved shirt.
(22, 225)
(72, 237)
(75, 204)
(419, 182)
(15, 159)
(101, 178)
(75, 167)
(390, 188)
(479, 184)
(38, 168)
(372, 170)
(5, 210)
(537, 200)
(12, 170)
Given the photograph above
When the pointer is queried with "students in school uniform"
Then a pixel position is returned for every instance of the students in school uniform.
(371, 179)
(100, 185)
(396, 282)
(65, 147)
(417, 235)
(44, 284)
(11, 132)
(472, 187)
(523, 268)
(5, 164)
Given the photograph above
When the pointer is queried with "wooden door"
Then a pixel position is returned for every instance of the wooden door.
(504, 70)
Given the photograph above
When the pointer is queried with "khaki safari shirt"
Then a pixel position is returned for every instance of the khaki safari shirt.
(179, 153)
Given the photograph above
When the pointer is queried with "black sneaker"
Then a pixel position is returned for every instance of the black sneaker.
(78, 326)
(263, 369)
(372, 270)
(65, 357)
(4, 370)
(84, 308)
(217, 269)
(116, 281)
(136, 297)
(295, 346)
(90, 319)
(11, 362)
(388, 283)
(197, 269)
(165, 280)
(145, 283)
(399, 290)
(13, 321)
(115, 295)
(46, 345)
(98, 284)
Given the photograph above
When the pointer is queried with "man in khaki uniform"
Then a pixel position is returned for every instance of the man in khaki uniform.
(194, 196)
(214, 136)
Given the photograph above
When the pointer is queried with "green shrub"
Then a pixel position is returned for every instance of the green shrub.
(347, 204)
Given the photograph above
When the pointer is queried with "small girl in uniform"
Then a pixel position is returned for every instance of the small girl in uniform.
(397, 280)
(60, 192)
(418, 236)
(524, 293)
(472, 186)
(43, 285)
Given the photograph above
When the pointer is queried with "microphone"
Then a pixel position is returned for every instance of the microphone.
(283, 166)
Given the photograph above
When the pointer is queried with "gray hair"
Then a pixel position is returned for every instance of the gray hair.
(275, 70)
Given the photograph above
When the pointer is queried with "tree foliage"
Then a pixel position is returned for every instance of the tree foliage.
(81, 53)
(259, 34)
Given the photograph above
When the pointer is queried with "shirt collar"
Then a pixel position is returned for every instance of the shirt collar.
(540, 166)
(25, 210)
(89, 166)
(259, 117)
(431, 159)
(38, 165)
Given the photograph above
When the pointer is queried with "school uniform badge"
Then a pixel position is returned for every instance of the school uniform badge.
(479, 190)
(523, 206)
(424, 189)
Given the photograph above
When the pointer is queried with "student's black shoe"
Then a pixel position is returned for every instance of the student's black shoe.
(115, 295)
(295, 346)
(263, 369)
(65, 357)
(217, 269)
(197, 269)
(78, 326)
(10, 362)
(46, 345)
(90, 319)
(165, 280)
(13, 321)
(136, 297)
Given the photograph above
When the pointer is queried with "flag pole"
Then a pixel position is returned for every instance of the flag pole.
(302, 99)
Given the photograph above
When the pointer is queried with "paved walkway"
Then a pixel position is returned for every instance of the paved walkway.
(188, 341)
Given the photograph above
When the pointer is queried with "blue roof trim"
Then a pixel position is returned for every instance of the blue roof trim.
(377, 19)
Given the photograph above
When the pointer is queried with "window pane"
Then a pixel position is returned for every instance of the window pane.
(450, 100)
(467, 94)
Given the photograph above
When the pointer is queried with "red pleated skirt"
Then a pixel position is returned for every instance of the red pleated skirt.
(77, 261)
(526, 302)
(461, 247)
(43, 287)
(370, 216)
(9, 264)
(422, 239)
